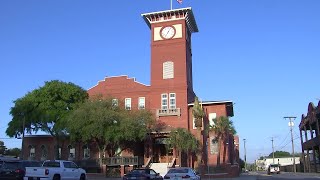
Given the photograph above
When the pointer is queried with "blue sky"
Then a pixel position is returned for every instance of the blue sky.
(263, 55)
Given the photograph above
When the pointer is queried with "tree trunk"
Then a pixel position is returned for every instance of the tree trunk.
(219, 150)
(199, 155)
(224, 153)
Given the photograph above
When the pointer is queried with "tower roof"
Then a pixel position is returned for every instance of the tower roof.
(169, 15)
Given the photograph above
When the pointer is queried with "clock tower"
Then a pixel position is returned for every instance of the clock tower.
(171, 60)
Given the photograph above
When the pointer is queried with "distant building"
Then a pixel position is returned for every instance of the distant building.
(284, 161)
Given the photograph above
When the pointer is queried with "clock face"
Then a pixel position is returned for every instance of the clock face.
(167, 32)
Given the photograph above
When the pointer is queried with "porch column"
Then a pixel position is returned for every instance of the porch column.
(317, 129)
(121, 170)
(305, 133)
(314, 159)
(311, 130)
(303, 158)
(308, 158)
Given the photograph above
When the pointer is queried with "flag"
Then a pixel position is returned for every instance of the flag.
(179, 1)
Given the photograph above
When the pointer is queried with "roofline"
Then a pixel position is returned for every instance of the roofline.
(212, 102)
(108, 77)
(190, 20)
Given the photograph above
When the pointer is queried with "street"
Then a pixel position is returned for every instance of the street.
(244, 176)
(284, 175)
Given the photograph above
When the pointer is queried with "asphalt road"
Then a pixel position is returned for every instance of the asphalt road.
(244, 176)
(285, 175)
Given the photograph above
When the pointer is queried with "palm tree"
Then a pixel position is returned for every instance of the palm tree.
(222, 128)
(198, 114)
(183, 141)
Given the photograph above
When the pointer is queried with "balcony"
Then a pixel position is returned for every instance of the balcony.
(168, 112)
(115, 161)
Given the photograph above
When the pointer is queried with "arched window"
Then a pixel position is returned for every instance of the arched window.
(86, 151)
(58, 154)
(168, 70)
(32, 151)
(44, 152)
(72, 152)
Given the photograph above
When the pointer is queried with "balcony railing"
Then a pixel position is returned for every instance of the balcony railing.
(116, 161)
(168, 112)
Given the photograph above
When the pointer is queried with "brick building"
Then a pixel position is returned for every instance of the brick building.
(170, 97)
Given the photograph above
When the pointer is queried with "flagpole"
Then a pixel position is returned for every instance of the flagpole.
(171, 4)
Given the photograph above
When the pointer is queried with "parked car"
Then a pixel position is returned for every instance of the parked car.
(184, 173)
(142, 174)
(16, 169)
(274, 168)
(56, 170)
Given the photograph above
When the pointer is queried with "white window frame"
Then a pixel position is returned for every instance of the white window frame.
(174, 104)
(164, 99)
(72, 151)
(127, 103)
(194, 123)
(32, 151)
(212, 116)
(141, 103)
(86, 152)
(115, 102)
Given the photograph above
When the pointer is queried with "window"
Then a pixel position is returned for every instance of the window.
(142, 103)
(114, 102)
(59, 153)
(43, 152)
(194, 123)
(167, 70)
(32, 152)
(172, 100)
(212, 116)
(86, 151)
(164, 101)
(213, 145)
(128, 103)
(72, 151)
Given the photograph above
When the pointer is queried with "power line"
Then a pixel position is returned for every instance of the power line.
(283, 140)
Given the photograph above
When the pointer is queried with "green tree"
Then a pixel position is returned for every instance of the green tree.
(222, 128)
(109, 126)
(2, 147)
(279, 154)
(15, 152)
(198, 114)
(183, 141)
(45, 109)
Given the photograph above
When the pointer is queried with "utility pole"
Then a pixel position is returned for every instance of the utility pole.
(272, 150)
(245, 155)
(291, 124)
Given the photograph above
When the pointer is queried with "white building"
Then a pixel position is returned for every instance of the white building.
(285, 161)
